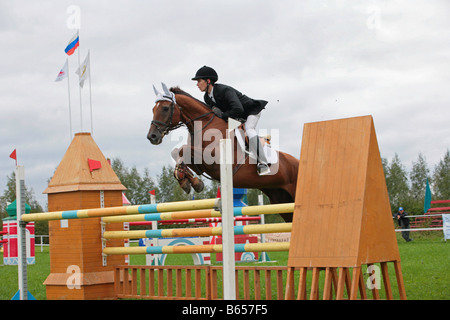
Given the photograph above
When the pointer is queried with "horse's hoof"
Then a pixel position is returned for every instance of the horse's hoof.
(198, 185)
(185, 185)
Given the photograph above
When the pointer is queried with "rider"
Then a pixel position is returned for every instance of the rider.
(227, 102)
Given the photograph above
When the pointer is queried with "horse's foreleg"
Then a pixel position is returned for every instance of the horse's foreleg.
(178, 172)
(180, 175)
(184, 175)
(186, 178)
(196, 154)
(197, 184)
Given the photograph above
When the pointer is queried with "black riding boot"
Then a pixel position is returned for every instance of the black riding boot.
(257, 149)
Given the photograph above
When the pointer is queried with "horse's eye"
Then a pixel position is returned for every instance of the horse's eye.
(165, 108)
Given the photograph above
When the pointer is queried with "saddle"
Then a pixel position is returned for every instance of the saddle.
(264, 139)
(243, 142)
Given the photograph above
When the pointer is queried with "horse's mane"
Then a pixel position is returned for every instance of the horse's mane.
(177, 90)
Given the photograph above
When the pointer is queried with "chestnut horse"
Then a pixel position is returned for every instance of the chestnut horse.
(176, 108)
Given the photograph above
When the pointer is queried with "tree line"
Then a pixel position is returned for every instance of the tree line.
(407, 189)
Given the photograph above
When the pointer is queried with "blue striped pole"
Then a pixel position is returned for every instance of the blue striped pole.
(213, 248)
(197, 232)
(117, 211)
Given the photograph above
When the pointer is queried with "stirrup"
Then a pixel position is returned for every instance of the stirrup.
(263, 169)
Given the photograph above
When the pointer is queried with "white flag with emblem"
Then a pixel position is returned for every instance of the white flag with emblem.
(83, 71)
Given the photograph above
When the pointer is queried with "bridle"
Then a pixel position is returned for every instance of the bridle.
(166, 127)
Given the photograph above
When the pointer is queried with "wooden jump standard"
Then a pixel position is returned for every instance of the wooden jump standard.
(342, 218)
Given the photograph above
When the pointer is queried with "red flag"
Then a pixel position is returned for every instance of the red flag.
(125, 200)
(94, 165)
(13, 155)
(152, 192)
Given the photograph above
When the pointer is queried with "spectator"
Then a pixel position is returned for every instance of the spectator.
(403, 221)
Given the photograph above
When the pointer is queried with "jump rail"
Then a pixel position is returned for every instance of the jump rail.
(206, 213)
(197, 232)
(205, 208)
(213, 248)
(191, 221)
(128, 210)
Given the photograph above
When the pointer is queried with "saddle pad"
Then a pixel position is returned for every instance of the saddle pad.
(271, 154)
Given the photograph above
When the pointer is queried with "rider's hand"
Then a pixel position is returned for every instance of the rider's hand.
(217, 112)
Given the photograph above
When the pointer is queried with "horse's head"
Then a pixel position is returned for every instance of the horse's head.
(166, 115)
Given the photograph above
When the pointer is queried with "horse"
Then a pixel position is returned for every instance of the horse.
(176, 108)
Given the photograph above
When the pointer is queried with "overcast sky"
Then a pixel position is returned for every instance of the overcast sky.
(312, 60)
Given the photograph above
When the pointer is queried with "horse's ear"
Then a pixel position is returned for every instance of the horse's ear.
(156, 91)
(166, 91)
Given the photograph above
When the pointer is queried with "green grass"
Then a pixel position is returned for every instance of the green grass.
(425, 267)
(424, 262)
(37, 273)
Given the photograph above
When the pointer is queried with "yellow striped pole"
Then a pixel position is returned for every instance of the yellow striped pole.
(207, 213)
(197, 232)
(265, 209)
(128, 210)
(249, 247)
(162, 211)
(190, 214)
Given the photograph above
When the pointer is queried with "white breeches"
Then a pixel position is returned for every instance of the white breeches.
(254, 143)
(250, 125)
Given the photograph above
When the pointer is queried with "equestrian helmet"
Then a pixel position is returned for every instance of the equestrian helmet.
(206, 73)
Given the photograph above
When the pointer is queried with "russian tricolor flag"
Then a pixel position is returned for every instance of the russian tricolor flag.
(73, 45)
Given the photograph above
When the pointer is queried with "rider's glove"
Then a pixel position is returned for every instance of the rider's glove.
(217, 112)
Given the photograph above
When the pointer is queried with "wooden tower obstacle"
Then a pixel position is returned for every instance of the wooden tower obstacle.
(342, 217)
(84, 179)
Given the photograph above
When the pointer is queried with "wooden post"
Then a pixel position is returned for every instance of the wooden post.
(226, 185)
(290, 288)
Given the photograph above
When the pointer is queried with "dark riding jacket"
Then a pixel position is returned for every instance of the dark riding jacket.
(233, 103)
(402, 219)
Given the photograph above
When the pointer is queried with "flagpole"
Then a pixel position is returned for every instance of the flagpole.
(68, 91)
(90, 92)
(79, 87)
